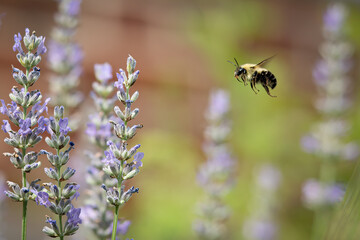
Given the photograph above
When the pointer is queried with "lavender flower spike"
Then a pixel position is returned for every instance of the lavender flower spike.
(97, 214)
(24, 113)
(56, 197)
(216, 175)
(118, 164)
(326, 141)
(261, 225)
(65, 59)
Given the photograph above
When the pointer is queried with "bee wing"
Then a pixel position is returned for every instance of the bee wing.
(262, 63)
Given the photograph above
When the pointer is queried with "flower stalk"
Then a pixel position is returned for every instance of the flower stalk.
(117, 162)
(65, 58)
(55, 197)
(326, 140)
(97, 214)
(27, 135)
(216, 175)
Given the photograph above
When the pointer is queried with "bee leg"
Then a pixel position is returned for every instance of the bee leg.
(255, 87)
(252, 84)
(243, 79)
(254, 77)
(267, 90)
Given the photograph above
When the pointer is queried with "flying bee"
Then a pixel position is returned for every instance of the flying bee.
(255, 73)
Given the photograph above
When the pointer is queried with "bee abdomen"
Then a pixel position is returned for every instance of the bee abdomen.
(271, 79)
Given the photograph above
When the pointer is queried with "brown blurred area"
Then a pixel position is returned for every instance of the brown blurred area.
(175, 74)
(108, 32)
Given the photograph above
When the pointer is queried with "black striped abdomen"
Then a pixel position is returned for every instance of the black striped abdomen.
(271, 80)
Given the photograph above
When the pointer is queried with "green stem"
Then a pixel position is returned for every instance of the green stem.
(24, 184)
(59, 186)
(119, 182)
(61, 227)
(23, 227)
(25, 201)
(26, 89)
(116, 213)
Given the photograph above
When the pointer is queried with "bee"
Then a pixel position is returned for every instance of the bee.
(255, 73)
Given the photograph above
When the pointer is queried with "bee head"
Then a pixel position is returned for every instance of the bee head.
(239, 71)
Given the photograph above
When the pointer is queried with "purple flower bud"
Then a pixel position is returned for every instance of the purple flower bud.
(103, 72)
(42, 122)
(320, 194)
(130, 64)
(91, 129)
(119, 84)
(6, 126)
(334, 18)
(25, 127)
(73, 216)
(42, 198)
(110, 158)
(41, 49)
(219, 104)
(3, 108)
(71, 7)
(63, 123)
(123, 227)
(309, 143)
(105, 130)
(260, 230)
(17, 45)
(137, 159)
(321, 73)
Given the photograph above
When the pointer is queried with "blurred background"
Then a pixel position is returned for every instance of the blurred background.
(182, 48)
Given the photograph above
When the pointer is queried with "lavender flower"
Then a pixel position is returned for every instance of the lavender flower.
(326, 139)
(25, 113)
(317, 194)
(65, 58)
(216, 175)
(118, 164)
(261, 225)
(259, 230)
(57, 198)
(97, 212)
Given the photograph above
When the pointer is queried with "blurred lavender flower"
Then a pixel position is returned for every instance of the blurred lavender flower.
(317, 194)
(117, 162)
(25, 113)
(215, 176)
(260, 230)
(268, 178)
(65, 59)
(97, 214)
(58, 198)
(326, 139)
(261, 225)
(334, 19)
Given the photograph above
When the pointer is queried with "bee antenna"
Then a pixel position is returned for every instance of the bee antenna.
(232, 63)
(236, 62)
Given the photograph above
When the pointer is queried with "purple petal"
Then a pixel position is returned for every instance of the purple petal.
(42, 198)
